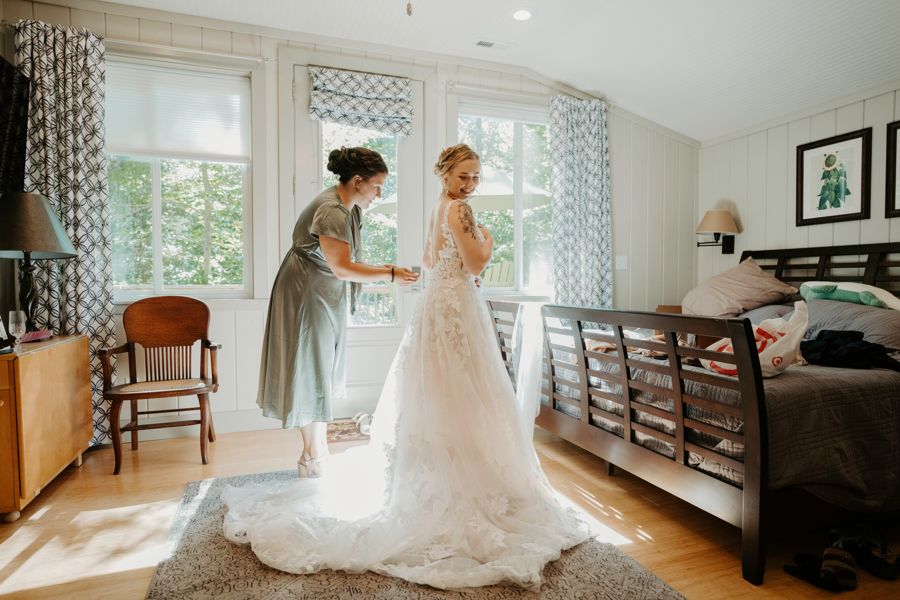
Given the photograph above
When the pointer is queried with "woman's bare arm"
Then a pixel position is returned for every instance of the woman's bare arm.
(340, 261)
(475, 247)
(426, 253)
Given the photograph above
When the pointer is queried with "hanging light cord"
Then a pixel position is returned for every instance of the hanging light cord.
(409, 7)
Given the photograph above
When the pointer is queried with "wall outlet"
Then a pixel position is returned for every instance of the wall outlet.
(621, 263)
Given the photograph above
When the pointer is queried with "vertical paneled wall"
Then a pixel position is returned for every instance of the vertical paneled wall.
(654, 187)
(755, 175)
(654, 193)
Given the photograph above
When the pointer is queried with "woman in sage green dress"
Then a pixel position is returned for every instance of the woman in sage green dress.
(302, 366)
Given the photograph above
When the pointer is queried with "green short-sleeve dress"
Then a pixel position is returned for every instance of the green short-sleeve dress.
(302, 367)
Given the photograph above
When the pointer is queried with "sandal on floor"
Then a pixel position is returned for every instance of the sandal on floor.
(308, 467)
(364, 425)
(871, 559)
(834, 572)
(840, 564)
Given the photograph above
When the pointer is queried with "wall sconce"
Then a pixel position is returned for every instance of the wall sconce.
(718, 222)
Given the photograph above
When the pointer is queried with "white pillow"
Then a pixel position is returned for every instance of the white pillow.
(735, 291)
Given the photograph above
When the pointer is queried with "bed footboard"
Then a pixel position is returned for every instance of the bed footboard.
(639, 403)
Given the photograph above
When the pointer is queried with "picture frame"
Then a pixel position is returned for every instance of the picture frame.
(833, 178)
(892, 179)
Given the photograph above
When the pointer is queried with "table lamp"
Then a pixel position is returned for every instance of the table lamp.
(30, 230)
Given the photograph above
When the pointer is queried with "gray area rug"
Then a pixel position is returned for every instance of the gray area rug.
(202, 564)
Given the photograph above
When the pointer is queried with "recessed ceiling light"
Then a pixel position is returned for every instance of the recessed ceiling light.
(522, 14)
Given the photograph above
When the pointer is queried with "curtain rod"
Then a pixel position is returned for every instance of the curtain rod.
(455, 86)
(362, 71)
(158, 50)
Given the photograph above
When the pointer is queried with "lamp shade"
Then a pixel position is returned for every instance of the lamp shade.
(717, 221)
(28, 224)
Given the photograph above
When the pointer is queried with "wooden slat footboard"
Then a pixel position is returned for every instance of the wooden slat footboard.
(593, 400)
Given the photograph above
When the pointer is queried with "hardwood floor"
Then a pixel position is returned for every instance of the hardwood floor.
(94, 535)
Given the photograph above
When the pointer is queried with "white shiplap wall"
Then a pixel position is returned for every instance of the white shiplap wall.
(654, 181)
(654, 194)
(754, 174)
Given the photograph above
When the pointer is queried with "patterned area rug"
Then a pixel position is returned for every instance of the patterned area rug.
(202, 564)
(344, 430)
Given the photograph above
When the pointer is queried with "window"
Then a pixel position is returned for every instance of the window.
(178, 150)
(513, 200)
(377, 303)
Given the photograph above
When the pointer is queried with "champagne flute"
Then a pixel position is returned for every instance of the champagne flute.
(17, 327)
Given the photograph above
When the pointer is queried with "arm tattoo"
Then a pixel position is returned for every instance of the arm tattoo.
(468, 220)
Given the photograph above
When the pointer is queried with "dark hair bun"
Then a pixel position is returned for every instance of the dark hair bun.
(348, 162)
(338, 161)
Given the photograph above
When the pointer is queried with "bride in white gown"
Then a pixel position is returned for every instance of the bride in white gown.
(449, 491)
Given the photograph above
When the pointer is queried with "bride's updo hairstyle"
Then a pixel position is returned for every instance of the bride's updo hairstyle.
(451, 157)
(349, 162)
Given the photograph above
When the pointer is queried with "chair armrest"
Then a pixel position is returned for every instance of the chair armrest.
(104, 354)
(213, 362)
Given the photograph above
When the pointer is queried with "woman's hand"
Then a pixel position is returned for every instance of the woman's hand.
(404, 276)
(485, 232)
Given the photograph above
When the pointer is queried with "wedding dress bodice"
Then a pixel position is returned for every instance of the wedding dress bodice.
(447, 263)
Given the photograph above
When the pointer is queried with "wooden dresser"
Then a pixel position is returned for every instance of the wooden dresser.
(45, 416)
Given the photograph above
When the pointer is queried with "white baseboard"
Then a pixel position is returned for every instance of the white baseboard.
(236, 420)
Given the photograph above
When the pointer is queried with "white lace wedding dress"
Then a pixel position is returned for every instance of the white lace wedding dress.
(449, 491)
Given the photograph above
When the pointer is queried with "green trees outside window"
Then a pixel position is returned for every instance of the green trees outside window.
(198, 232)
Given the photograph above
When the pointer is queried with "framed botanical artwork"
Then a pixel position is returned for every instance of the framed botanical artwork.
(833, 178)
(892, 184)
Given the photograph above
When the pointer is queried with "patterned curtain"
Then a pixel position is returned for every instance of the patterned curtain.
(65, 161)
(582, 234)
(365, 100)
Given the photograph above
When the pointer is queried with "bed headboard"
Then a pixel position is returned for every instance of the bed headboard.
(872, 264)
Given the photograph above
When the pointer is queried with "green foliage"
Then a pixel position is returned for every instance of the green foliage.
(834, 190)
(495, 141)
(202, 222)
(379, 239)
(130, 224)
(502, 227)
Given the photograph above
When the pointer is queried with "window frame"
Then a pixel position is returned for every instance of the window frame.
(253, 70)
(520, 109)
(319, 133)
(122, 296)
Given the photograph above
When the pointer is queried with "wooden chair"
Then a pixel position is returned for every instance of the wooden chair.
(504, 315)
(499, 275)
(166, 328)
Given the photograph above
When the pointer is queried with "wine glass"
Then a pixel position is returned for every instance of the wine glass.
(17, 327)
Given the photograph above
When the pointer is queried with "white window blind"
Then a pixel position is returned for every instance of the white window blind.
(161, 111)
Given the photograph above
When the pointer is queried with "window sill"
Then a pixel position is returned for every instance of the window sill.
(516, 295)
(215, 303)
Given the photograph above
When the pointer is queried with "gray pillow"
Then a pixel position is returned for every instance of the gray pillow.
(769, 311)
(878, 325)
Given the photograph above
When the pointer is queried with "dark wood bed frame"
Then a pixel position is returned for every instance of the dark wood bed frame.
(569, 331)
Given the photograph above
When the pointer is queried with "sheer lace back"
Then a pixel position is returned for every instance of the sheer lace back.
(445, 259)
